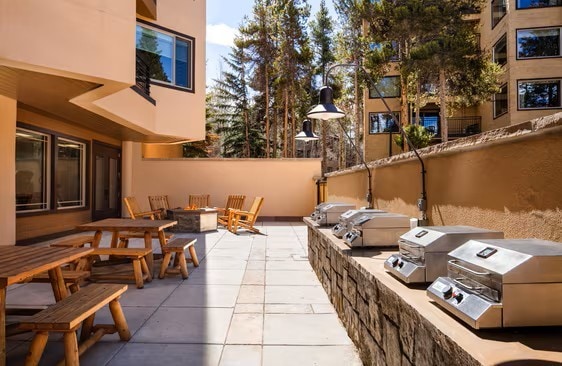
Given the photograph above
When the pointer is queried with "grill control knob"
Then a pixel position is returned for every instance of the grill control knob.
(447, 292)
(394, 262)
(400, 264)
(459, 297)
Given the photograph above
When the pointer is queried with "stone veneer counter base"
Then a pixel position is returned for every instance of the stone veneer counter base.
(392, 323)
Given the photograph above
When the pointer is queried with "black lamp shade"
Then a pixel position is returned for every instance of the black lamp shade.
(326, 108)
(307, 134)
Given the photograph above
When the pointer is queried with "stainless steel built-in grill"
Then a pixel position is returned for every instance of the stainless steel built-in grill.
(424, 249)
(330, 213)
(314, 215)
(344, 224)
(376, 230)
(495, 283)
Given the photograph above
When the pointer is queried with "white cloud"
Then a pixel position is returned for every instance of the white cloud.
(221, 34)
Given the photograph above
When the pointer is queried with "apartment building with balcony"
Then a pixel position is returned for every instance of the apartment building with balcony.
(524, 36)
(80, 82)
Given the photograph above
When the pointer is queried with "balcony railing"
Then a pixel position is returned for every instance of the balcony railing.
(464, 126)
(143, 76)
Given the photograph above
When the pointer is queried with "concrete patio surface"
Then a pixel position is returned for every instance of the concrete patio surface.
(254, 300)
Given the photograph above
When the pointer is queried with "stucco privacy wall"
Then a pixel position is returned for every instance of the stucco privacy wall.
(507, 179)
(7, 162)
(288, 185)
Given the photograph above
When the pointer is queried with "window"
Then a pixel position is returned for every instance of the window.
(168, 56)
(539, 94)
(500, 51)
(527, 4)
(388, 86)
(543, 42)
(70, 173)
(500, 102)
(41, 175)
(32, 153)
(499, 10)
(383, 122)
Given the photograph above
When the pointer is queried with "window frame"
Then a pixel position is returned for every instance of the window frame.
(504, 39)
(517, 7)
(51, 171)
(494, 112)
(394, 114)
(191, 56)
(397, 77)
(492, 13)
(519, 81)
(517, 30)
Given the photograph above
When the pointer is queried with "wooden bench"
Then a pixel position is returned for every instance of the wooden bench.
(72, 279)
(68, 314)
(124, 238)
(74, 242)
(137, 255)
(178, 246)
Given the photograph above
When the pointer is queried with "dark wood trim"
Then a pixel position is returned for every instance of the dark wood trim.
(137, 90)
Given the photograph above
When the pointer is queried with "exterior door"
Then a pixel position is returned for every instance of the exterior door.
(106, 181)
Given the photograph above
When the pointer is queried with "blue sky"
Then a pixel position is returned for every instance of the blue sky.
(223, 18)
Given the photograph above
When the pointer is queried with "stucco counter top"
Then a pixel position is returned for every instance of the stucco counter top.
(400, 304)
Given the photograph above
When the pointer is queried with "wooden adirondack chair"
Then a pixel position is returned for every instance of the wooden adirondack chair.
(199, 200)
(234, 202)
(159, 203)
(135, 212)
(245, 219)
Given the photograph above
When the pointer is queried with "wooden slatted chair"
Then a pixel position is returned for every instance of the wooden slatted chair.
(199, 200)
(135, 212)
(159, 203)
(245, 219)
(234, 202)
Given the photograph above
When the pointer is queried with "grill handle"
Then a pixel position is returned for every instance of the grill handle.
(474, 288)
(454, 263)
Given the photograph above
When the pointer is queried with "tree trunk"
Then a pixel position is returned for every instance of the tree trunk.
(443, 106)
(266, 87)
(285, 122)
(274, 151)
(247, 134)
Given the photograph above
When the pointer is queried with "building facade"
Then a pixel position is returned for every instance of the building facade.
(80, 81)
(524, 36)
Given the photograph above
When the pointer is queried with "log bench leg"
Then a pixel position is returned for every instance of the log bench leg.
(138, 273)
(165, 263)
(36, 348)
(119, 320)
(193, 255)
(71, 355)
(145, 270)
(87, 327)
(183, 264)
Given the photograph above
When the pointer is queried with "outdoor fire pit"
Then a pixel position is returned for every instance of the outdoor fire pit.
(193, 220)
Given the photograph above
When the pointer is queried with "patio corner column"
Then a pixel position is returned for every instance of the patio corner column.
(8, 118)
(127, 160)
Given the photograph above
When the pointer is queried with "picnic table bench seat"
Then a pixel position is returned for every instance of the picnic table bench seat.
(68, 314)
(178, 246)
(74, 242)
(72, 279)
(138, 256)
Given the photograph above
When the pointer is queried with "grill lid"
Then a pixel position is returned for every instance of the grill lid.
(514, 260)
(444, 238)
(381, 220)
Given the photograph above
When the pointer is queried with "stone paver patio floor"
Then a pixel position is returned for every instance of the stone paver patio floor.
(254, 300)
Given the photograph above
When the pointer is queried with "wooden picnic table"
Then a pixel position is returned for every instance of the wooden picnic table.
(20, 263)
(148, 227)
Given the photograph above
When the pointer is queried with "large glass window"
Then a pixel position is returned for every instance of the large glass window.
(32, 155)
(499, 10)
(71, 173)
(526, 4)
(500, 51)
(383, 122)
(543, 42)
(388, 86)
(539, 94)
(500, 102)
(169, 57)
(41, 174)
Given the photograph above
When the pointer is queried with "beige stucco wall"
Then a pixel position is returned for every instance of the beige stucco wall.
(508, 179)
(288, 185)
(8, 110)
(80, 37)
